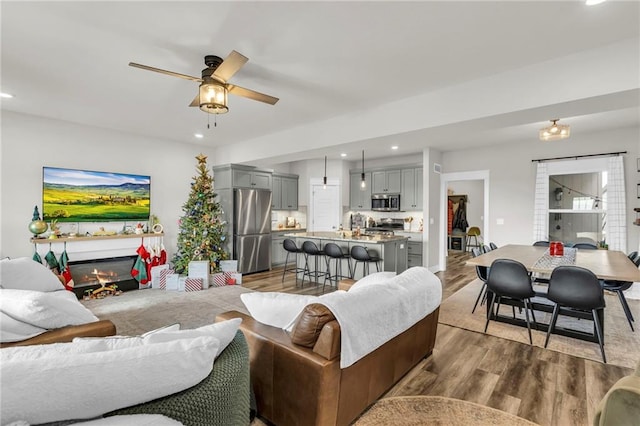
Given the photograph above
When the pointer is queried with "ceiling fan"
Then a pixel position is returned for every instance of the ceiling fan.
(212, 96)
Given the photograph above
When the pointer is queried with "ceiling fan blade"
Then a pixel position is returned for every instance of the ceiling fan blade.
(230, 66)
(195, 101)
(161, 71)
(251, 94)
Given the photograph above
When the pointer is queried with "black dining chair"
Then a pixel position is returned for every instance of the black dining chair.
(482, 272)
(509, 280)
(573, 288)
(486, 248)
(619, 287)
(493, 246)
(585, 246)
(541, 244)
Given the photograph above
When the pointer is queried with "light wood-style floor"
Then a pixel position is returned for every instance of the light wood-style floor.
(543, 386)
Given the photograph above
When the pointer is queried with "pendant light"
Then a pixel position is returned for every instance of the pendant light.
(324, 180)
(363, 184)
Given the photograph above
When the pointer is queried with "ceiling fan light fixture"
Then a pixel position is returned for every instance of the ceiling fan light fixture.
(555, 131)
(213, 97)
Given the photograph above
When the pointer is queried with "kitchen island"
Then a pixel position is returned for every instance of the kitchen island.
(392, 249)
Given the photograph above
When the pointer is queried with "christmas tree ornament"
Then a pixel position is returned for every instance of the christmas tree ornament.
(37, 226)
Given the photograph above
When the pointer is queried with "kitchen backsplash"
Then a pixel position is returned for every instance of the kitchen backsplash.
(415, 223)
(279, 217)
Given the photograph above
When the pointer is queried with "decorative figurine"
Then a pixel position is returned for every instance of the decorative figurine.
(37, 226)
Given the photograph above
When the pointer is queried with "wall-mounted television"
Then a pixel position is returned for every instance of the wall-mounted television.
(70, 195)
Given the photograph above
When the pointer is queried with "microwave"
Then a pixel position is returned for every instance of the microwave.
(385, 202)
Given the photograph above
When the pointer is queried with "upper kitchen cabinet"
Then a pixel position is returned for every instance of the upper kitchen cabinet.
(285, 192)
(251, 179)
(239, 176)
(359, 198)
(411, 194)
(386, 181)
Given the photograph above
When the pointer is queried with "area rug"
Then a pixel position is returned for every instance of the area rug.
(138, 311)
(622, 346)
(435, 410)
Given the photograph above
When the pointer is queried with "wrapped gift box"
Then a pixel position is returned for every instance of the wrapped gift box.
(229, 265)
(156, 275)
(172, 282)
(218, 280)
(162, 280)
(232, 278)
(200, 269)
(193, 284)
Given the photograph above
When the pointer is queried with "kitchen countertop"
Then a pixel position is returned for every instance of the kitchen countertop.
(288, 229)
(337, 236)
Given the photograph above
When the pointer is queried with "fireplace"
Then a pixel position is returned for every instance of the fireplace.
(94, 273)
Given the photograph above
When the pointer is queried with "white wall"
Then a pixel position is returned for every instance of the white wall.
(512, 177)
(29, 143)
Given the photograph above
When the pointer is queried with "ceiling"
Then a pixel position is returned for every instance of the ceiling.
(328, 62)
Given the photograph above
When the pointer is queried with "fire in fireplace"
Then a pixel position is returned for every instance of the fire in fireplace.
(95, 273)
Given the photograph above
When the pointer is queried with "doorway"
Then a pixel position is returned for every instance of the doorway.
(324, 206)
(445, 180)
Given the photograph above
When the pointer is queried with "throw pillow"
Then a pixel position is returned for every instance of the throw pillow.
(224, 331)
(373, 279)
(24, 273)
(307, 328)
(276, 309)
(37, 390)
(45, 310)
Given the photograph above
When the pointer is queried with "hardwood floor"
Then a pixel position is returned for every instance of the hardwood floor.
(546, 387)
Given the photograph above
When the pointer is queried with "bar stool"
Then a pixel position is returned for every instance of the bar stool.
(334, 252)
(309, 248)
(361, 254)
(292, 249)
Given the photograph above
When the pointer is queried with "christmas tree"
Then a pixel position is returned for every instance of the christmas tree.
(202, 228)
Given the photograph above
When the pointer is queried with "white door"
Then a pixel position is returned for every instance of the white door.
(325, 205)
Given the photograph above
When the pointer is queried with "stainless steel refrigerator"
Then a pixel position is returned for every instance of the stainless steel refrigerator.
(252, 229)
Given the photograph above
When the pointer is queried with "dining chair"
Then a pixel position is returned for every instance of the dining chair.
(482, 272)
(541, 244)
(573, 288)
(509, 280)
(493, 246)
(585, 246)
(486, 248)
(619, 287)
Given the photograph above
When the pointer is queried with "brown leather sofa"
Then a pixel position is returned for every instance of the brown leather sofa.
(101, 328)
(304, 385)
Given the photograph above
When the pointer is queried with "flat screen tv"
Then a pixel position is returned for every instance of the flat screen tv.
(70, 195)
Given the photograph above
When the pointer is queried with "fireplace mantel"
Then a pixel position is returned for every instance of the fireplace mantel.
(92, 238)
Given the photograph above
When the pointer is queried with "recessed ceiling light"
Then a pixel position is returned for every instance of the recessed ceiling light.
(394, 147)
(198, 135)
(594, 2)
(343, 154)
(5, 95)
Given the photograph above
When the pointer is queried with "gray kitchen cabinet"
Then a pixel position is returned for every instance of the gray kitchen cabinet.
(386, 181)
(276, 193)
(284, 192)
(359, 199)
(289, 193)
(251, 179)
(278, 253)
(414, 254)
(411, 194)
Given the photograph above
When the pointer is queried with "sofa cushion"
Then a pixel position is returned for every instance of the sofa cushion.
(307, 327)
(24, 273)
(48, 311)
(37, 389)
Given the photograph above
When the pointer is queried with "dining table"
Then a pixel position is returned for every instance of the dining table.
(605, 264)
